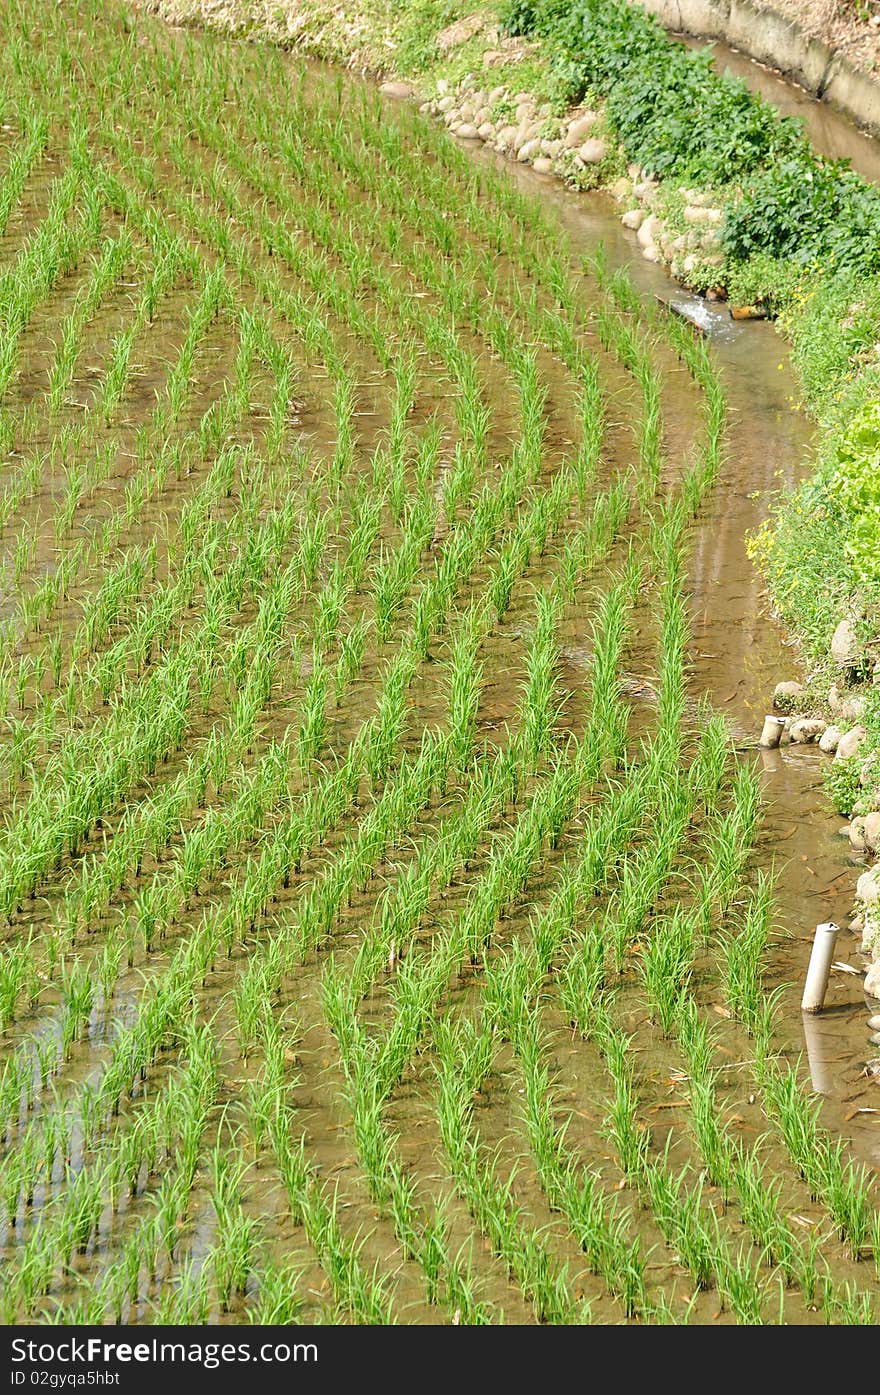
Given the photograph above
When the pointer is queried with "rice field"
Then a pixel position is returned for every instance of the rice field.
(381, 935)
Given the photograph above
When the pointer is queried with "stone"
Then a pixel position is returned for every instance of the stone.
(689, 264)
(526, 133)
(454, 35)
(868, 887)
(496, 94)
(872, 980)
(834, 699)
(466, 111)
(856, 834)
(786, 694)
(699, 215)
(647, 231)
(543, 165)
(445, 104)
(852, 709)
(580, 128)
(651, 253)
(621, 189)
(806, 730)
(528, 150)
(504, 138)
(874, 1022)
(871, 831)
(829, 740)
(633, 219)
(748, 312)
(466, 131)
(399, 89)
(551, 148)
(845, 645)
(486, 131)
(849, 743)
(593, 152)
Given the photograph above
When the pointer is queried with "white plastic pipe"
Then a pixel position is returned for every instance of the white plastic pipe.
(819, 971)
(771, 732)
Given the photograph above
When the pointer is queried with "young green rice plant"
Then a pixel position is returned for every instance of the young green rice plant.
(186, 1300)
(743, 953)
(465, 683)
(845, 1306)
(278, 1301)
(689, 1226)
(667, 966)
(541, 702)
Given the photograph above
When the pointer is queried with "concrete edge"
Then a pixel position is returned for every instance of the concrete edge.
(772, 38)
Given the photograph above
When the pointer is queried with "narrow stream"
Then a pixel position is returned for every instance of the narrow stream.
(740, 653)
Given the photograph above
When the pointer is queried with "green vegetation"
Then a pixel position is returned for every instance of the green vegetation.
(356, 946)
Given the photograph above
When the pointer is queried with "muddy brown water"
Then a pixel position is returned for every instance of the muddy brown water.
(739, 653)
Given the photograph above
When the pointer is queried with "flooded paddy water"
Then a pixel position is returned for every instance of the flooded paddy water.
(385, 930)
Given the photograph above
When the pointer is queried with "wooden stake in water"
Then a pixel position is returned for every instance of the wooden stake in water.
(819, 971)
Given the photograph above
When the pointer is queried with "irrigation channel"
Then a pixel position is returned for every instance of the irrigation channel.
(390, 934)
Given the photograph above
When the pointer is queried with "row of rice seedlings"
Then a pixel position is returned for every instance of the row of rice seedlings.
(398, 921)
(429, 272)
(361, 1293)
(29, 148)
(37, 605)
(209, 844)
(161, 1145)
(514, 981)
(52, 251)
(114, 259)
(463, 1057)
(147, 720)
(420, 983)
